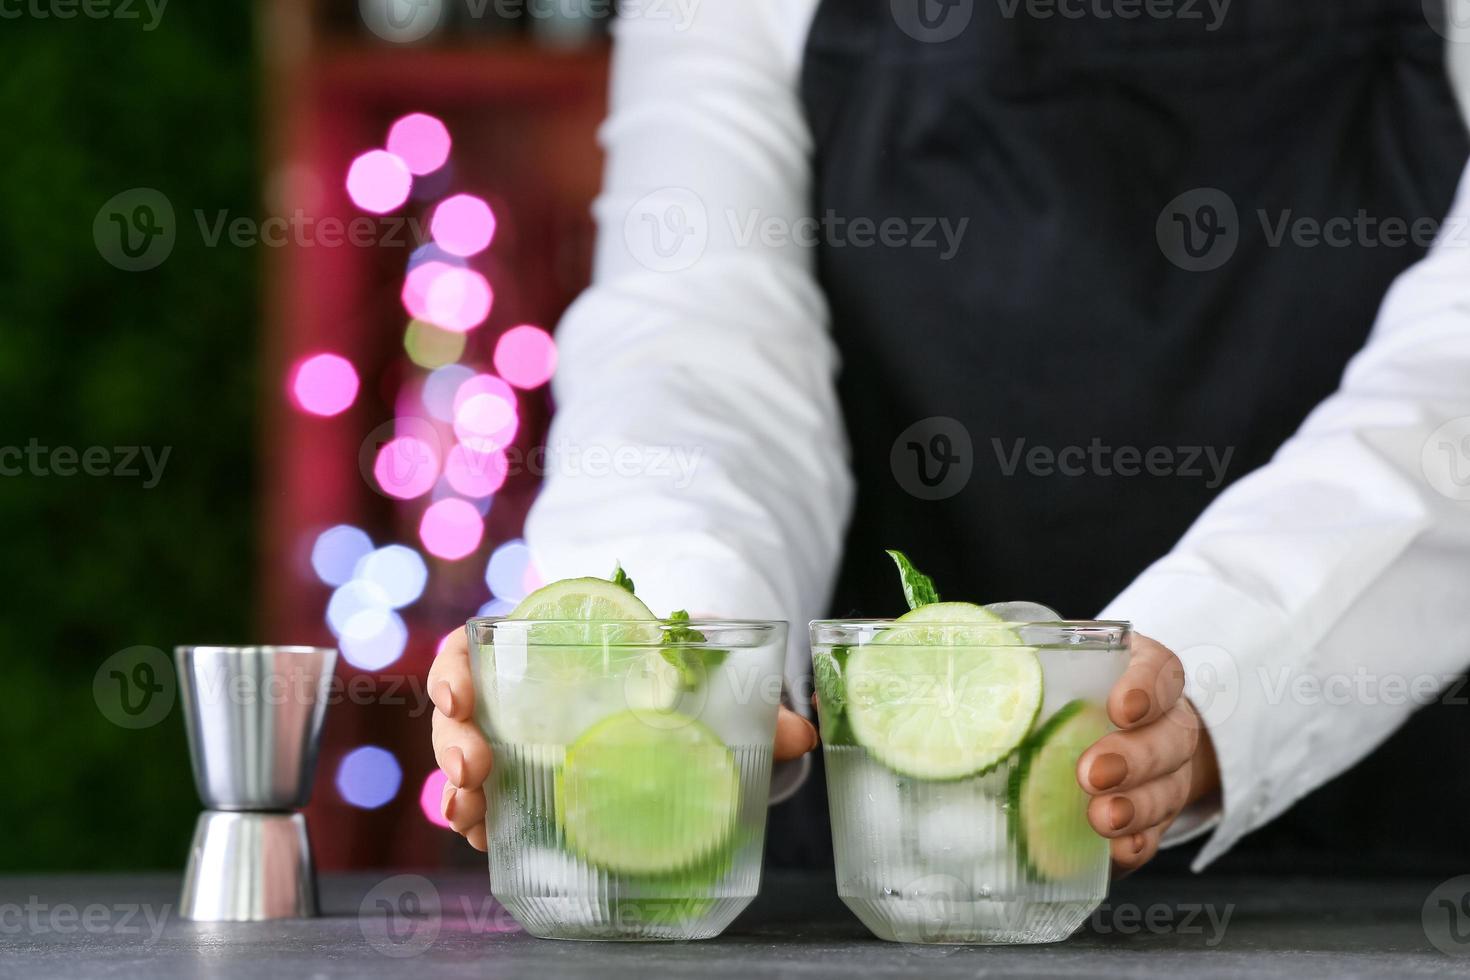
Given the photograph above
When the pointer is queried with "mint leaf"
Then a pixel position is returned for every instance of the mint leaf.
(918, 588)
(682, 634)
(620, 577)
(828, 670)
(691, 663)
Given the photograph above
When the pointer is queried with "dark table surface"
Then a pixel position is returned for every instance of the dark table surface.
(81, 927)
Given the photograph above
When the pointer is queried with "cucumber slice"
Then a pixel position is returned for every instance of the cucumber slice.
(1048, 809)
(639, 799)
(933, 701)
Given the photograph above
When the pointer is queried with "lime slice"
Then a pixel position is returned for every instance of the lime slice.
(934, 697)
(678, 898)
(640, 799)
(588, 620)
(1048, 809)
(586, 655)
(582, 600)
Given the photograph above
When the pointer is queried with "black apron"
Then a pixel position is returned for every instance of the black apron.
(1126, 313)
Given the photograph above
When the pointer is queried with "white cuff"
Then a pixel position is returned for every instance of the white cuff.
(1218, 633)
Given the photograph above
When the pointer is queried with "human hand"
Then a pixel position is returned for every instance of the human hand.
(461, 751)
(1160, 760)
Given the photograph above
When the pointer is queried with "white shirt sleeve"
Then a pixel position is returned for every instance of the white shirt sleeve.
(697, 437)
(1320, 600)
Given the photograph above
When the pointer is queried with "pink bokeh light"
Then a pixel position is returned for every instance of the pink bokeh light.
(379, 181)
(421, 141)
(463, 225)
(525, 356)
(475, 474)
(451, 528)
(324, 384)
(406, 467)
(431, 796)
(485, 414)
(447, 296)
(416, 285)
(483, 384)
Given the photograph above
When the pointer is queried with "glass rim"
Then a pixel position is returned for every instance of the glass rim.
(1104, 624)
(764, 625)
(1094, 633)
(250, 649)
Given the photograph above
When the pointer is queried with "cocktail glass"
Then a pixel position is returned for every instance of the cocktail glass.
(632, 766)
(951, 751)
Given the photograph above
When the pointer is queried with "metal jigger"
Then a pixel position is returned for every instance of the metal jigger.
(254, 718)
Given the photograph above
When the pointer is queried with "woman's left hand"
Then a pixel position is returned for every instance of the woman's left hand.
(1160, 761)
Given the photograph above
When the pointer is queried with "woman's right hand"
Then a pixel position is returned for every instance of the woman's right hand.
(459, 747)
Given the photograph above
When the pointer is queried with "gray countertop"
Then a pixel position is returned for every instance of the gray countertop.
(82, 927)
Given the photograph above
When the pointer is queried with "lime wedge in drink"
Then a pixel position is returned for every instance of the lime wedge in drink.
(1048, 809)
(585, 655)
(573, 602)
(946, 692)
(673, 899)
(641, 799)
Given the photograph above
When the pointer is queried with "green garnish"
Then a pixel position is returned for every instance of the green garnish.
(691, 662)
(620, 577)
(918, 588)
(827, 671)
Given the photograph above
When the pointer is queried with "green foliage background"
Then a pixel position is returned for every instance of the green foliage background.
(93, 356)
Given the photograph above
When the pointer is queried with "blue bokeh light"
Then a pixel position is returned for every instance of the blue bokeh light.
(374, 651)
(369, 777)
(439, 389)
(497, 607)
(337, 551)
(505, 573)
(398, 570)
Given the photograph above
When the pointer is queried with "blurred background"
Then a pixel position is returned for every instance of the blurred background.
(277, 287)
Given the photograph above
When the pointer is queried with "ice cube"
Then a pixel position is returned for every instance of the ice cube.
(864, 798)
(733, 701)
(959, 823)
(1023, 612)
(1070, 675)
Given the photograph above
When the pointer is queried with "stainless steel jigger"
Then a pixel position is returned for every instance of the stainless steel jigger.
(254, 718)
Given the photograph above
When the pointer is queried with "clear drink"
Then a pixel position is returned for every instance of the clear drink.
(632, 765)
(951, 751)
